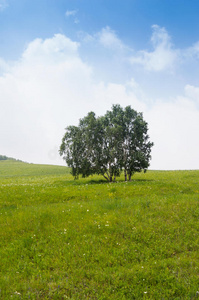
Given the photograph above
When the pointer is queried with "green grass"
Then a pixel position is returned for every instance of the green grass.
(89, 239)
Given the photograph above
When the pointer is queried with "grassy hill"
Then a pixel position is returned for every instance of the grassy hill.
(89, 239)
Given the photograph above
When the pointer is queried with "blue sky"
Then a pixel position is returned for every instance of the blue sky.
(24, 20)
(60, 59)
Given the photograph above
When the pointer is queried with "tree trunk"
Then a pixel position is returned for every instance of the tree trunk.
(106, 178)
(125, 175)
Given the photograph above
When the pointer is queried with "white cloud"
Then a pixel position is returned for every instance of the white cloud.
(192, 92)
(4, 67)
(70, 13)
(192, 51)
(108, 38)
(51, 87)
(174, 128)
(39, 96)
(162, 57)
(53, 50)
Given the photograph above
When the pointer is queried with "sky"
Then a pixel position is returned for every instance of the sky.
(60, 59)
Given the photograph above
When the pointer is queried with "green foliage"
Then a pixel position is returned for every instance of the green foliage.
(90, 239)
(108, 145)
(4, 157)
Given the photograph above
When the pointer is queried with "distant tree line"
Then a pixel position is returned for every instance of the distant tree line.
(108, 145)
(4, 157)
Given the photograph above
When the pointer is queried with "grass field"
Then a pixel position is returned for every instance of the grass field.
(89, 239)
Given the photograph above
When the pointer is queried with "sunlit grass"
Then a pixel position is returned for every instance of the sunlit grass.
(89, 239)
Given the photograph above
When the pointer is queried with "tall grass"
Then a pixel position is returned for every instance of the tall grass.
(89, 239)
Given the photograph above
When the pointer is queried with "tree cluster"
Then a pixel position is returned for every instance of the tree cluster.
(4, 157)
(108, 145)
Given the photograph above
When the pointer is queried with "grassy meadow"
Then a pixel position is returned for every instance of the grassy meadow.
(89, 239)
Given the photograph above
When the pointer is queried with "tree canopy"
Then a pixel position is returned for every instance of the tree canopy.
(108, 145)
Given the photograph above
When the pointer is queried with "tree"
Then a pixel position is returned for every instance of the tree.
(108, 145)
(136, 145)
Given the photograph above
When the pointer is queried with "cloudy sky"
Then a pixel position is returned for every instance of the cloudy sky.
(60, 59)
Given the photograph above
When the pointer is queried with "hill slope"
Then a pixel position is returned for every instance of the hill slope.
(89, 239)
(17, 168)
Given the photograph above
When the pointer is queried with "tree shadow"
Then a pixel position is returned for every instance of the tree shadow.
(97, 181)
(144, 180)
(86, 181)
